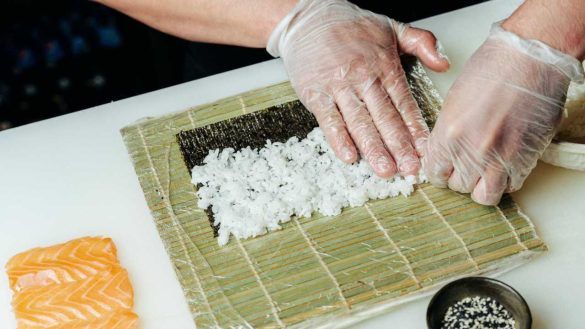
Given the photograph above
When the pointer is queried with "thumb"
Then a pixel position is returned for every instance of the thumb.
(422, 44)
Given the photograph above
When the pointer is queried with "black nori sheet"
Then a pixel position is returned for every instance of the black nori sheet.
(278, 124)
(423, 91)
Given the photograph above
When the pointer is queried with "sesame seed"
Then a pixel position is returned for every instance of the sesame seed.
(477, 313)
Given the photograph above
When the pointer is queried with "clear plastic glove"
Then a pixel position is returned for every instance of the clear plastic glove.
(344, 64)
(499, 116)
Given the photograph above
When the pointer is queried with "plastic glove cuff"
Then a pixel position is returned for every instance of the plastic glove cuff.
(275, 39)
(538, 50)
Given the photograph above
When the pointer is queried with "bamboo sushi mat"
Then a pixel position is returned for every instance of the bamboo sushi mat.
(318, 271)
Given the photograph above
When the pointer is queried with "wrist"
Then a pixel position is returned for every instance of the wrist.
(558, 24)
(278, 11)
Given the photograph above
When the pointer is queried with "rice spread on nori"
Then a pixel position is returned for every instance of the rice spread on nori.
(253, 191)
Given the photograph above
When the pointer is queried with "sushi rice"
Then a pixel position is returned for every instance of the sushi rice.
(253, 191)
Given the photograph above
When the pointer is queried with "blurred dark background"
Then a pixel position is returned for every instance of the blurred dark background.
(58, 57)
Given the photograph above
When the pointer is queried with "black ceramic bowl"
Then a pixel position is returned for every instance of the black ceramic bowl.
(483, 287)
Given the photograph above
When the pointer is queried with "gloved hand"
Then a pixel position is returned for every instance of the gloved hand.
(344, 64)
(499, 116)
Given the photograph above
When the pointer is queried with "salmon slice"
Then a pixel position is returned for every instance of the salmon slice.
(78, 284)
(72, 261)
(88, 300)
(116, 320)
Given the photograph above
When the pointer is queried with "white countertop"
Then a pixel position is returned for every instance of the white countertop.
(71, 176)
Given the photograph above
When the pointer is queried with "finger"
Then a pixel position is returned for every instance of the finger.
(391, 128)
(364, 133)
(422, 44)
(437, 163)
(518, 176)
(333, 126)
(490, 187)
(463, 181)
(466, 170)
(396, 85)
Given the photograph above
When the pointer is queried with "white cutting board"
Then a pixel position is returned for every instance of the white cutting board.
(70, 176)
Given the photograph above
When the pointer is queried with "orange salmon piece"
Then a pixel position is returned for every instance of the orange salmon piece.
(68, 262)
(89, 299)
(75, 285)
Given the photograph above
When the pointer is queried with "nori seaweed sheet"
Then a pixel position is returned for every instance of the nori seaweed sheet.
(278, 124)
(281, 122)
(423, 91)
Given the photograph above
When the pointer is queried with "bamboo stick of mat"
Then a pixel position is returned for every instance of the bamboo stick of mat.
(318, 271)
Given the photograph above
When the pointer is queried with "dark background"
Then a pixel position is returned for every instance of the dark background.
(58, 57)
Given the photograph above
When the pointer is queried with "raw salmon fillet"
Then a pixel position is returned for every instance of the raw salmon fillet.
(78, 284)
(67, 262)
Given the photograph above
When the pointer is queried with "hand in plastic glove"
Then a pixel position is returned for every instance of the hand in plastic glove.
(344, 64)
(499, 116)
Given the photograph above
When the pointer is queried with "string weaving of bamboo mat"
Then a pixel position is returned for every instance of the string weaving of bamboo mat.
(316, 269)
